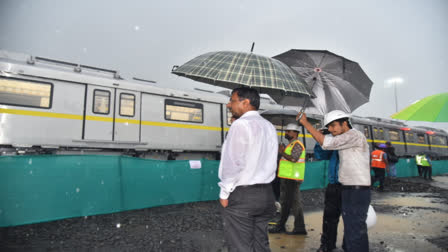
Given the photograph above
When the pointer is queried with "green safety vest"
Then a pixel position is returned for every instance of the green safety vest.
(292, 170)
(421, 160)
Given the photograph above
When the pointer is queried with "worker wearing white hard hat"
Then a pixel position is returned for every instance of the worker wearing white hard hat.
(354, 174)
(291, 172)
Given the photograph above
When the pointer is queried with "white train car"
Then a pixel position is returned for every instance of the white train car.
(51, 106)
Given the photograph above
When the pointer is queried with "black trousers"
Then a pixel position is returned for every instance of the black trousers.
(380, 174)
(427, 172)
(332, 213)
(290, 196)
(246, 218)
(420, 170)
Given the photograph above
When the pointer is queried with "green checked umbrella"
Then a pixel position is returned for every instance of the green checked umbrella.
(235, 69)
(433, 108)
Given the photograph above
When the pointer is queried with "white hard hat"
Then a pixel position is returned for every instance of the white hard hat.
(334, 115)
(371, 217)
(292, 126)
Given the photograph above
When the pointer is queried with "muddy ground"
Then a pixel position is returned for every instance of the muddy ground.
(186, 227)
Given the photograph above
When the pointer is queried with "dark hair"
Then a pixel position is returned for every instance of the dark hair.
(248, 93)
(345, 119)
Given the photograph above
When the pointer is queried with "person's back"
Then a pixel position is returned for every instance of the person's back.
(260, 145)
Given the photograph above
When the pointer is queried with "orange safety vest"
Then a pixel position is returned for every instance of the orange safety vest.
(377, 159)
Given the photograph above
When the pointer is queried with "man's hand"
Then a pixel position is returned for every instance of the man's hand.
(224, 202)
(301, 117)
(281, 148)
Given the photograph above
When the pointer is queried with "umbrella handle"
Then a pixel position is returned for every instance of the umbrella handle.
(307, 99)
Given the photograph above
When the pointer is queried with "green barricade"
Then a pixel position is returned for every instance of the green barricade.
(43, 188)
(315, 175)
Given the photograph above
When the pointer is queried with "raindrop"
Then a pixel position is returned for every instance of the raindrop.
(31, 172)
(162, 177)
(85, 217)
(102, 182)
(84, 50)
(66, 193)
(77, 190)
(146, 226)
(137, 28)
(97, 229)
(118, 225)
(30, 161)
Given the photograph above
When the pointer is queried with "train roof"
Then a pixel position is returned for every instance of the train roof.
(31, 66)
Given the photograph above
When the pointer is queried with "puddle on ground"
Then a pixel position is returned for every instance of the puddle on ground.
(423, 218)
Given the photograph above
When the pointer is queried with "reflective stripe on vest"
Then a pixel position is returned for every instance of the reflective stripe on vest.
(292, 170)
(421, 160)
(377, 159)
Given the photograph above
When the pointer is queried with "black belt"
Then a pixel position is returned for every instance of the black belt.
(255, 185)
(356, 187)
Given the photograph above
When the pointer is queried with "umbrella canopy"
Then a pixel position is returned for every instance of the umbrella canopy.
(235, 69)
(336, 82)
(433, 108)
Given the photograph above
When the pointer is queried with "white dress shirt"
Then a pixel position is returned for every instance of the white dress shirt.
(354, 157)
(249, 153)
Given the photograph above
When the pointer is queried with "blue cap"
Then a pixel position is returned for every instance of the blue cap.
(382, 146)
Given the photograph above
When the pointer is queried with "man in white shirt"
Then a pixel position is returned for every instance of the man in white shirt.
(248, 165)
(354, 174)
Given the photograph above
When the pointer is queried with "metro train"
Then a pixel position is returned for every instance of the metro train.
(49, 106)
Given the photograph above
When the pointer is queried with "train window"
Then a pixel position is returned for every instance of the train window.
(229, 116)
(378, 133)
(317, 125)
(366, 132)
(25, 93)
(101, 101)
(420, 138)
(409, 137)
(394, 135)
(127, 104)
(438, 140)
(183, 111)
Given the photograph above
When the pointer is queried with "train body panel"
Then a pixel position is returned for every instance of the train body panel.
(61, 107)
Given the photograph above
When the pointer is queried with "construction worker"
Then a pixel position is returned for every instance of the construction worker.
(291, 172)
(353, 174)
(424, 164)
(379, 163)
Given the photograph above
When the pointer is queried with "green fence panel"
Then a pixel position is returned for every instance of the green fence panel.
(148, 183)
(439, 167)
(42, 188)
(315, 175)
(406, 167)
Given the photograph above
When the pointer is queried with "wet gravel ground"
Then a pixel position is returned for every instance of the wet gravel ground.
(185, 227)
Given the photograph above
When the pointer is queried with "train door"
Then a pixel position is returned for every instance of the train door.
(127, 116)
(99, 111)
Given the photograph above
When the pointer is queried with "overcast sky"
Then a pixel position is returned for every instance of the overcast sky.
(401, 38)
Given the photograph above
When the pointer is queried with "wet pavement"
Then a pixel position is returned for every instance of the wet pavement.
(412, 216)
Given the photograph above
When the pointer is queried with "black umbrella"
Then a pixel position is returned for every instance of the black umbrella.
(336, 82)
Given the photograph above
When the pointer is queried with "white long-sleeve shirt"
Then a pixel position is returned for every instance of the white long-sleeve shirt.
(249, 153)
(354, 157)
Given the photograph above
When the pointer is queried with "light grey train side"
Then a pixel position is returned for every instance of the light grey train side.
(91, 110)
(50, 106)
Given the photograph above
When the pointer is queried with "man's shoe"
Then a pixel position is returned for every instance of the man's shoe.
(277, 229)
(297, 232)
